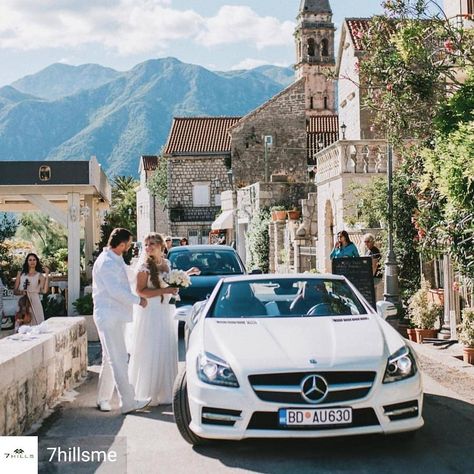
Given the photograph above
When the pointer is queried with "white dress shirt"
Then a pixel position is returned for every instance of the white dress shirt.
(113, 297)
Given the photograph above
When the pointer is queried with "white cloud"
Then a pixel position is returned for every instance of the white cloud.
(234, 24)
(130, 26)
(251, 63)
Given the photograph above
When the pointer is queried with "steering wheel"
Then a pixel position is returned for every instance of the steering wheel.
(321, 309)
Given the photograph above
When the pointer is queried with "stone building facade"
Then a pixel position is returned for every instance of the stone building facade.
(352, 114)
(271, 140)
(315, 60)
(151, 214)
(198, 153)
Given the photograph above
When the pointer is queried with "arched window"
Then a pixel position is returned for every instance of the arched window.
(311, 103)
(325, 100)
(324, 47)
(311, 47)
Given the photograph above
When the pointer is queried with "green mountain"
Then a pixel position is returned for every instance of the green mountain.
(125, 117)
(60, 80)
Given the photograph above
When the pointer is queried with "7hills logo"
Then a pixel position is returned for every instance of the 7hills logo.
(18, 454)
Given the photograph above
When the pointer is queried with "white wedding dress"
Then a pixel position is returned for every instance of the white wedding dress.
(154, 351)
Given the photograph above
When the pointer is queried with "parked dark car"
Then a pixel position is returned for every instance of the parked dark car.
(214, 261)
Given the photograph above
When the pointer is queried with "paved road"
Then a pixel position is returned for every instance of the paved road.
(153, 445)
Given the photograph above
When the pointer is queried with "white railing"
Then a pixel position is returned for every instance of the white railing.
(351, 156)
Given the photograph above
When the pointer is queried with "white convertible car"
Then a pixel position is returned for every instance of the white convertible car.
(272, 356)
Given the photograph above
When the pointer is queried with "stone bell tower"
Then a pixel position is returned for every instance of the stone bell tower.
(315, 61)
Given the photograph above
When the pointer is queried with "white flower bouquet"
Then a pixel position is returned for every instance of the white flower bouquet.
(177, 279)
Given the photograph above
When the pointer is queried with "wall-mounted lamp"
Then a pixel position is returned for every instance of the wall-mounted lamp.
(343, 130)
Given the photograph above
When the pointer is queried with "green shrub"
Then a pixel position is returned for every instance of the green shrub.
(84, 304)
(424, 313)
(466, 334)
(259, 241)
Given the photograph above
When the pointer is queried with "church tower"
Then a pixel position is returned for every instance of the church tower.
(315, 61)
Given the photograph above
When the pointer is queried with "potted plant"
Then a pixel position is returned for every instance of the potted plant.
(411, 333)
(278, 213)
(294, 214)
(466, 334)
(424, 314)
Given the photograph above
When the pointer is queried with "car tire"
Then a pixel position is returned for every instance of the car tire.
(181, 411)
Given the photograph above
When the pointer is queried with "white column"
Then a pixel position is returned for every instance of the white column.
(90, 231)
(73, 246)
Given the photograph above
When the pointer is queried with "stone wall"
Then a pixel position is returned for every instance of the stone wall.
(183, 171)
(283, 118)
(35, 373)
(251, 199)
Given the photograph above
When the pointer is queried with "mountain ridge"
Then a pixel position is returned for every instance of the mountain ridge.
(124, 117)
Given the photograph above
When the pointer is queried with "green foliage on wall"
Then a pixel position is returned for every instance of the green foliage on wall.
(158, 182)
(259, 241)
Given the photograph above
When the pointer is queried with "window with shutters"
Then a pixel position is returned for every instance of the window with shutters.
(201, 194)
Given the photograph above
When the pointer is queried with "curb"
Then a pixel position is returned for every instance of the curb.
(444, 366)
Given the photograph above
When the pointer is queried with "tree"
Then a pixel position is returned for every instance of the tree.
(259, 240)
(450, 172)
(8, 226)
(158, 182)
(46, 234)
(412, 76)
(123, 209)
(414, 57)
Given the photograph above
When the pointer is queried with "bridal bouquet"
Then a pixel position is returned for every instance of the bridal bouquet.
(177, 279)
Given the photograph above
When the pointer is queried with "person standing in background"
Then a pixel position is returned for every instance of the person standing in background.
(374, 252)
(30, 281)
(168, 244)
(343, 247)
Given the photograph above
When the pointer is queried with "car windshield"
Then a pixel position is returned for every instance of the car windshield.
(209, 262)
(278, 297)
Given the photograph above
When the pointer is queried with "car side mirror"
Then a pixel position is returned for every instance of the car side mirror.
(183, 313)
(385, 309)
(256, 271)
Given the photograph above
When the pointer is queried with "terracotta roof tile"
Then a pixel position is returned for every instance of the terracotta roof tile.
(150, 162)
(357, 27)
(321, 131)
(200, 135)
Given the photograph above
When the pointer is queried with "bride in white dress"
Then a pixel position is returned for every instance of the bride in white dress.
(154, 355)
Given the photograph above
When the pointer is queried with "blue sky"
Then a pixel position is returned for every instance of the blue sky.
(217, 34)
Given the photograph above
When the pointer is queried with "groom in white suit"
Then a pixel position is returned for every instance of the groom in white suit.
(113, 309)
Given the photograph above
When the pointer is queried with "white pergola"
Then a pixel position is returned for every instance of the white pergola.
(70, 192)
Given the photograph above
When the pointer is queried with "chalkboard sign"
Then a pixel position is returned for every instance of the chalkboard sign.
(359, 272)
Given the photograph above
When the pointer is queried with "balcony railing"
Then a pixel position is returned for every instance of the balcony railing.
(351, 156)
(194, 214)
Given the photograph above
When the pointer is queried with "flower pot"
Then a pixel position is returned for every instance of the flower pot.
(294, 215)
(468, 355)
(411, 333)
(422, 334)
(279, 215)
(402, 329)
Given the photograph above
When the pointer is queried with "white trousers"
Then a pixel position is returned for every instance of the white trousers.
(114, 370)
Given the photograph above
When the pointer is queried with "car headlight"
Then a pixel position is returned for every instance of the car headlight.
(400, 365)
(213, 370)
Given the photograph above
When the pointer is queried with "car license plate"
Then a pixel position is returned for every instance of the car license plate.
(315, 417)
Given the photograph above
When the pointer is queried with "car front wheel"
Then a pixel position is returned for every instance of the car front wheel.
(181, 411)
